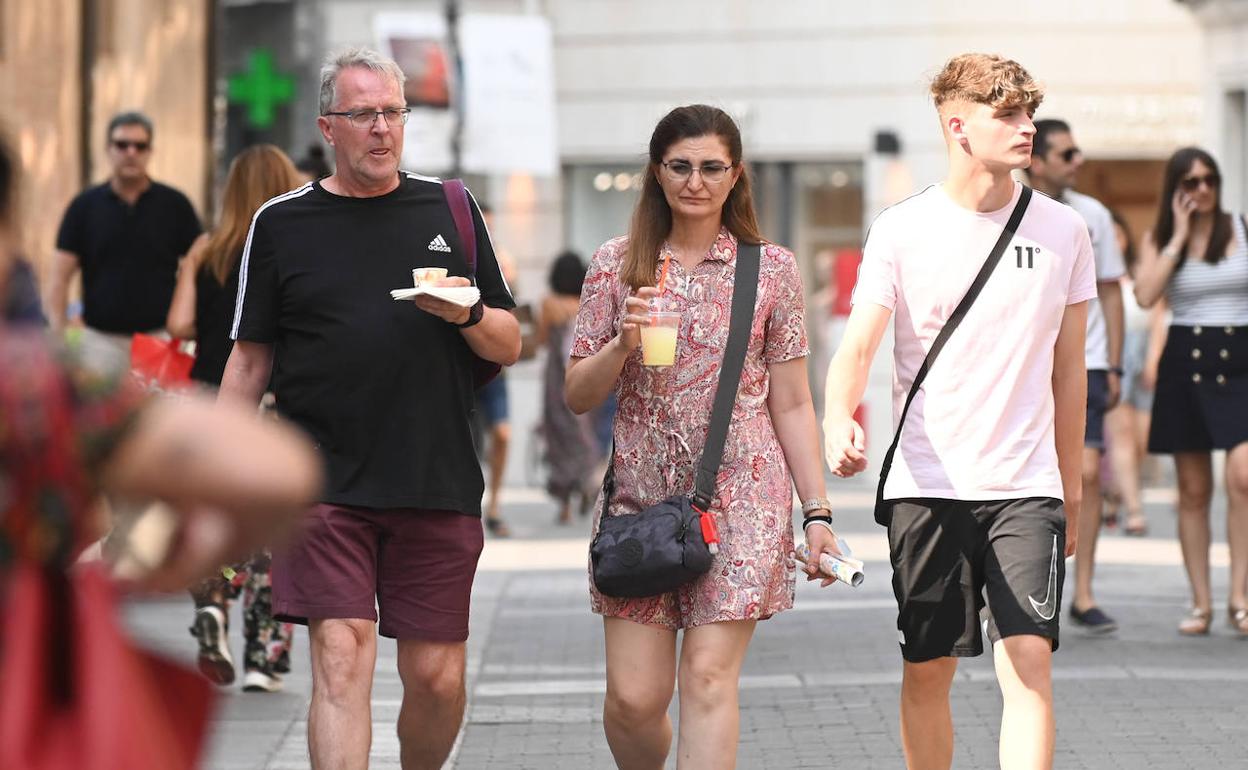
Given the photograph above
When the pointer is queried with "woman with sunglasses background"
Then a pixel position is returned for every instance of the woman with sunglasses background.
(1197, 258)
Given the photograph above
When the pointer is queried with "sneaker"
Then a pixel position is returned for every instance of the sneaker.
(214, 648)
(1093, 620)
(259, 681)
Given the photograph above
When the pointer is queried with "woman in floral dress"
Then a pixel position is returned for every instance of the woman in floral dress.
(695, 208)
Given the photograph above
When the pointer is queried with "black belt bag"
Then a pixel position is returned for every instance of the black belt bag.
(883, 513)
(674, 541)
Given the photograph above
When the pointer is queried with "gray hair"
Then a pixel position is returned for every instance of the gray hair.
(133, 118)
(354, 57)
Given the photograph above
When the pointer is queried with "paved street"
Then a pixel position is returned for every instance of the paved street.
(821, 682)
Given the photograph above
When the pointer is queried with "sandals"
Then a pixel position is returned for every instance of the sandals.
(1198, 621)
(1237, 617)
(1135, 526)
(497, 527)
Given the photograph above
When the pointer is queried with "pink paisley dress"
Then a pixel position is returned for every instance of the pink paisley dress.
(662, 419)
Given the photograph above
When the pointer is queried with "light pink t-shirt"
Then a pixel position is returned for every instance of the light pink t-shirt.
(981, 426)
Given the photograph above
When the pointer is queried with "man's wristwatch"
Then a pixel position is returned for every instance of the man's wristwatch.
(1116, 370)
(475, 314)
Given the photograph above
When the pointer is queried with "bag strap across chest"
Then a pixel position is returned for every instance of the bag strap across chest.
(461, 211)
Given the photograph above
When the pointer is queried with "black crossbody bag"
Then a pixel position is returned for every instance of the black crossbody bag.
(665, 545)
(955, 318)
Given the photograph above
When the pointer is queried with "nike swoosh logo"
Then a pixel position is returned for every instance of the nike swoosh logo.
(1048, 608)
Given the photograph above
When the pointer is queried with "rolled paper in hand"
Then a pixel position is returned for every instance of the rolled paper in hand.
(845, 569)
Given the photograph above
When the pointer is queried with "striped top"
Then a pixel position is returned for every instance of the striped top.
(1201, 294)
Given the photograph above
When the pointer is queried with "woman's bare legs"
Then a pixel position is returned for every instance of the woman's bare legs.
(641, 676)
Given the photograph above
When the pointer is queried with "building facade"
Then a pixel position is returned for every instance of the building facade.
(1224, 58)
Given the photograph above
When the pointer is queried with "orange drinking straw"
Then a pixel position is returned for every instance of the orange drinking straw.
(663, 276)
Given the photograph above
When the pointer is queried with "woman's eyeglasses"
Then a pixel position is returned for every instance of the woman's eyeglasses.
(680, 171)
(1192, 183)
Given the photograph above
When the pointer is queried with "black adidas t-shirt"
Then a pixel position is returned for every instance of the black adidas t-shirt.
(384, 389)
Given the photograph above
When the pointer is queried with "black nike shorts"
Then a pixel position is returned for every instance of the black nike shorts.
(954, 560)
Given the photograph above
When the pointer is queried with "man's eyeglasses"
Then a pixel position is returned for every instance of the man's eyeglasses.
(680, 171)
(395, 116)
(1192, 183)
(124, 145)
(1069, 154)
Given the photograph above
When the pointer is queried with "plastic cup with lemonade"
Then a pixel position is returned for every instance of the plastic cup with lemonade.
(658, 339)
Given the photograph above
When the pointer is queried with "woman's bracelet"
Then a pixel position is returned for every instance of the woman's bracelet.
(823, 521)
(816, 504)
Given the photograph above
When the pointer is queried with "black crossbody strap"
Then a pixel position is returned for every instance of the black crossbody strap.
(744, 291)
(955, 318)
(741, 319)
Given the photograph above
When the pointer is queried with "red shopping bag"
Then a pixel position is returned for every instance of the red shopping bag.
(160, 363)
(76, 694)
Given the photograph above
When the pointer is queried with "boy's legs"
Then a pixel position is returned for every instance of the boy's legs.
(1024, 673)
(926, 721)
(1024, 571)
(933, 547)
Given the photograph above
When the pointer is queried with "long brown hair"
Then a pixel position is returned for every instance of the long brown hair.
(1177, 167)
(652, 219)
(257, 174)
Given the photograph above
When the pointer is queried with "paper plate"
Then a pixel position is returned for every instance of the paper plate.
(464, 296)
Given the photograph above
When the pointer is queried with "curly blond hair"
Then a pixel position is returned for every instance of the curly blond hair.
(982, 78)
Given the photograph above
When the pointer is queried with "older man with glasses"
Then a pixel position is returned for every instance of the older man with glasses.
(385, 389)
(126, 237)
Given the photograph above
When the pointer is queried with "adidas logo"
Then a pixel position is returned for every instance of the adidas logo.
(439, 244)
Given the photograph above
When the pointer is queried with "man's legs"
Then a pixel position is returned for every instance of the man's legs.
(1083, 609)
(433, 701)
(926, 722)
(340, 730)
(1125, 458)
(1024, 672)
(1089, 528)
(500, 443)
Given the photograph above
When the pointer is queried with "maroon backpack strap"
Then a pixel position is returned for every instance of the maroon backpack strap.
(461, 211)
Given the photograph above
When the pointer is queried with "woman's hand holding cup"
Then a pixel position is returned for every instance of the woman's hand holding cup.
(636, 315)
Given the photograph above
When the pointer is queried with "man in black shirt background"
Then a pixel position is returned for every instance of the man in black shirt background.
(126, 237)
(385, 389)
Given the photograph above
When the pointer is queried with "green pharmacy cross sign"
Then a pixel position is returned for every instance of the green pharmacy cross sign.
(261, 88)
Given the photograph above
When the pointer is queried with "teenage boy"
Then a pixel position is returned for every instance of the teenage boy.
(984, 491)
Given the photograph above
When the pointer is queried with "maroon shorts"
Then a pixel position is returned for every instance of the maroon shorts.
(415, 566)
